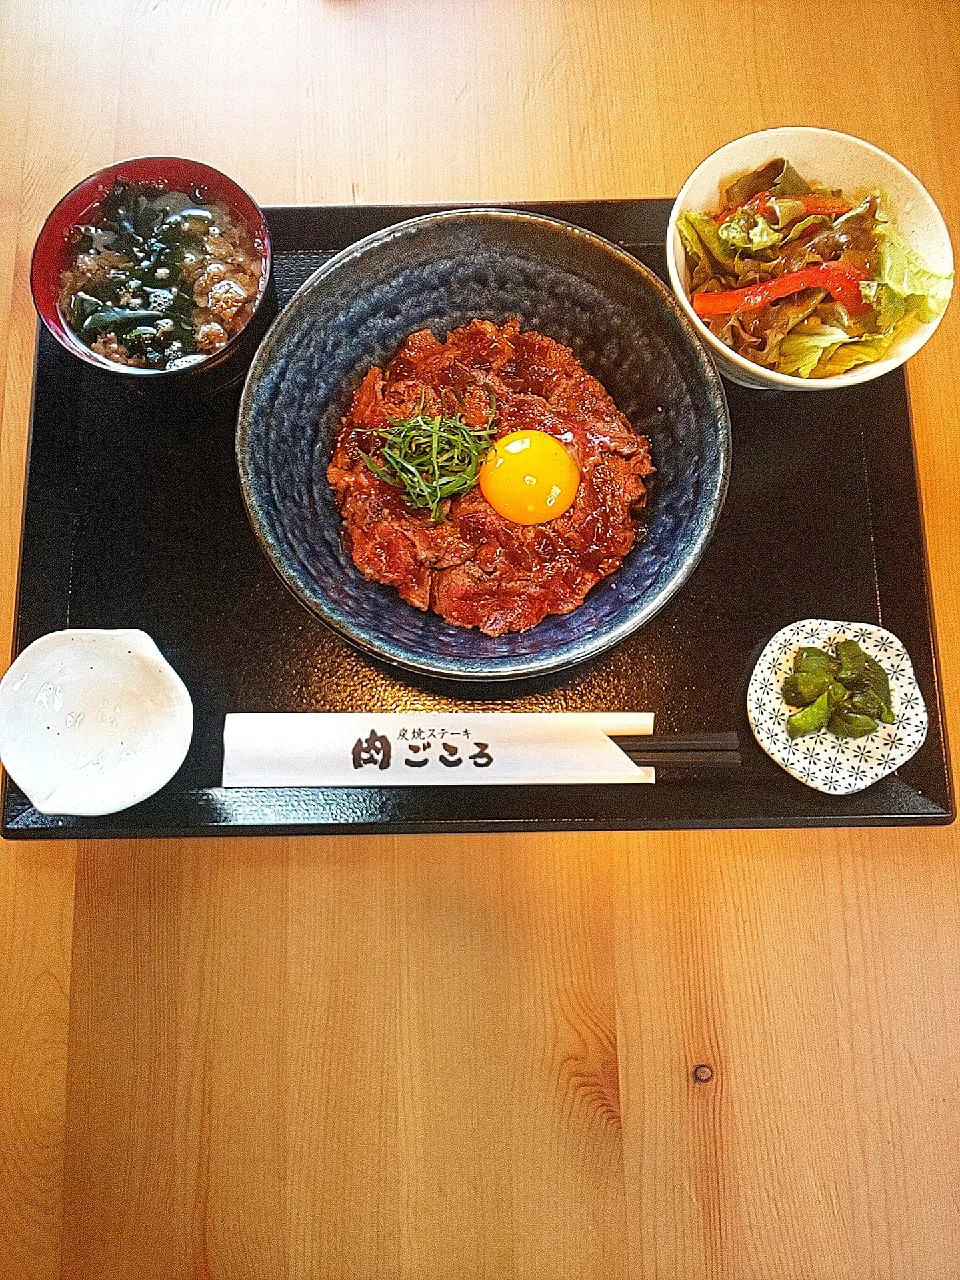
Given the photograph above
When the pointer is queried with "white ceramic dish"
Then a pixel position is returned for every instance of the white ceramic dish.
(838, 766)
(839, 161)
(92, 722)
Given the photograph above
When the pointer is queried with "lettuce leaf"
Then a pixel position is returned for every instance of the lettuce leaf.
(707, 254)
(748, 231)
(798, 228)
(889, 306)
(824, 351)
(786, 211)
(904, 271)
(777, 176)
(802, 349)
(865, 350)
(808, 335)
(783, 318)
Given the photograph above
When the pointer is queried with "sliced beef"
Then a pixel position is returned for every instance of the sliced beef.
(475, 567)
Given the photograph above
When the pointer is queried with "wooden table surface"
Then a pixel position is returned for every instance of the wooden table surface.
(421, 1057)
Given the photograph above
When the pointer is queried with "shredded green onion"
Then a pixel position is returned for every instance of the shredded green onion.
(433, 458)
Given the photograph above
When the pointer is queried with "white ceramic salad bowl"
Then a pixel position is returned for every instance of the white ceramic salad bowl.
(839, 162)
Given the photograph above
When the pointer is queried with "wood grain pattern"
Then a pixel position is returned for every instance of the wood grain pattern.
(373, 1030)
(473, 1057)
(816, 984)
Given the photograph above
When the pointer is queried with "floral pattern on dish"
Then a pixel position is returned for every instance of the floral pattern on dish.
(838, 766)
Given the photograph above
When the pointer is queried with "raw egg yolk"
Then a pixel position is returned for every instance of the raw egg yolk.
(528, 477)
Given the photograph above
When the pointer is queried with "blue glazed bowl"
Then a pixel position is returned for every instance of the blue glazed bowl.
(441, 271)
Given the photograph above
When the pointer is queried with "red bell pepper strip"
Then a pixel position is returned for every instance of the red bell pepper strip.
(814, 203)
(830, 205)
(758, 204)
(840, 279)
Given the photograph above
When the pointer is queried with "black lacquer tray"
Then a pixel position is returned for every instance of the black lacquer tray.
(134, 518)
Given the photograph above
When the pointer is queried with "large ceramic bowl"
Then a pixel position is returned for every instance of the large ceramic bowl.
(838, 161)
(440, 271)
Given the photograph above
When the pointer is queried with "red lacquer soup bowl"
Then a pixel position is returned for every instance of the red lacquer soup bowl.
(55, 251)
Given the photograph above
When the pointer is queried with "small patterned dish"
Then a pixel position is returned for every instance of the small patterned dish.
(839, 766)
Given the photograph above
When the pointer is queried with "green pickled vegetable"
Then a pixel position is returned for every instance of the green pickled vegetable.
(804, 687)
(846, 723)
(852, 659)
(847, 692)
(836, 693)
(811, 719)
(866, 703)
(875, 680)
(815, 660)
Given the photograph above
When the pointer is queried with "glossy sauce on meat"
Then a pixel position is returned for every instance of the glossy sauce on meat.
(475, 567)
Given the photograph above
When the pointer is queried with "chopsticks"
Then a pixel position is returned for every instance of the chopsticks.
(711, 752)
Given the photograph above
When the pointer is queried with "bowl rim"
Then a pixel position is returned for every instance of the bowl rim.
(77, 348)
(771, 378)
(481, 669)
